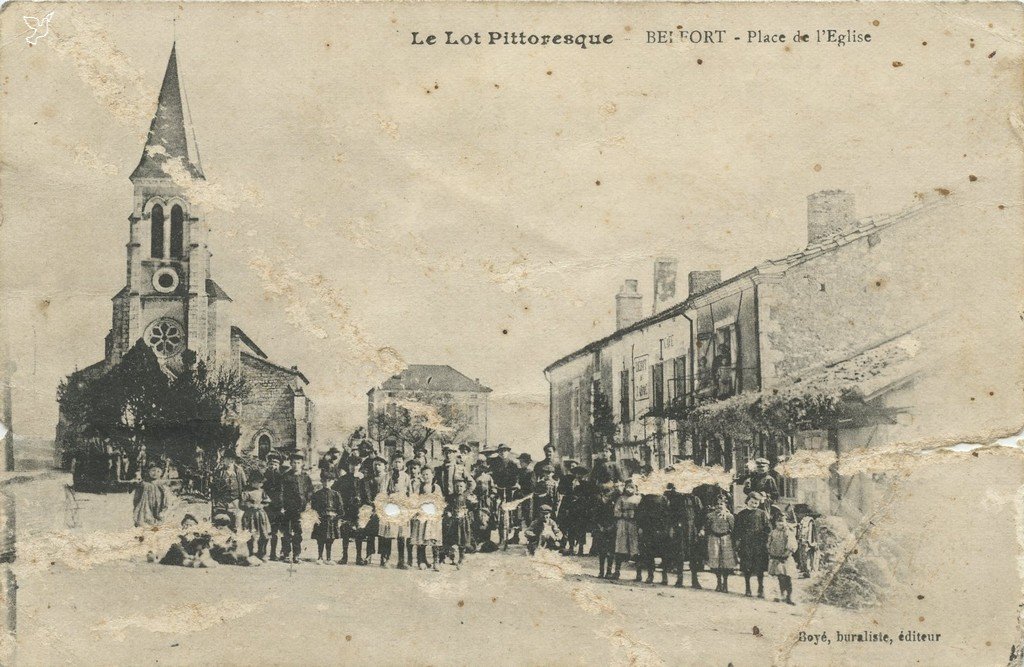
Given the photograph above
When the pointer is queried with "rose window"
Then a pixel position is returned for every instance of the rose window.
(165, 337)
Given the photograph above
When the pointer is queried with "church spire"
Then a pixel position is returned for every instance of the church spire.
(167, 141)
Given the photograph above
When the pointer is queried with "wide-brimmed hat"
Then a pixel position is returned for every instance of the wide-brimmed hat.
(504, 448)
(761, 461)
(334, 450)
(525, 457)
(545, 508)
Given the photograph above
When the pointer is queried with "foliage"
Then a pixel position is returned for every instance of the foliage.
(784, 412)
(418, 418)
(136, 403)
(854, 574)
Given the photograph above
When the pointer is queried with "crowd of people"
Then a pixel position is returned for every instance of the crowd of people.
(393, 508)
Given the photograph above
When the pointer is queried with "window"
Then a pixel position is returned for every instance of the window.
(474, 414)
(658, 386)
(624, 396)
(723, 365)
(177, 232)
(156, 232)
(166, 337)
(680, 386)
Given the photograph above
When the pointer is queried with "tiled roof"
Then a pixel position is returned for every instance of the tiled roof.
(284, 369)
(236, 332)
(167, 140)
(864, 227)
(431, 377)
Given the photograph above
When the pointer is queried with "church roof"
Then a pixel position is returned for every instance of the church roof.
(215, 291)
(294, 370)
(431, 377)
(167, 140)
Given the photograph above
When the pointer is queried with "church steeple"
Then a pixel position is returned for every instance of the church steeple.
(168, 139)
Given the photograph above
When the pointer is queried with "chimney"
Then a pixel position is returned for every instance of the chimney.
(702, 281)
(828, 213)
(628, 305)
(665, 269)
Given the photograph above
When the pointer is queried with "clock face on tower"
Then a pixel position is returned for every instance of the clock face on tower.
(165, 280)
(166, 336)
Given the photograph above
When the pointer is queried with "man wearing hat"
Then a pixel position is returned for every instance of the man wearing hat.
(275, 494)
(348, 485)
(763, 481)
(547, 462)
(606, 471)
(543, 532)
(371, 486)
(504, 469)
(448, 472)
(296, 491)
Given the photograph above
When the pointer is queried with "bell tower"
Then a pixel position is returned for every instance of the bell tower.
(166, 300)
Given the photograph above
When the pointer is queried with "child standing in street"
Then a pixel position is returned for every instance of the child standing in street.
(457, 524)
(255, 519)
(627, 538)
(781, 547)
(150, 502)
(329, 508)
(721, 556)
(751, 539)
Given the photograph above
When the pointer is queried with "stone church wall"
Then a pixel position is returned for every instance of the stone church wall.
(269, 407)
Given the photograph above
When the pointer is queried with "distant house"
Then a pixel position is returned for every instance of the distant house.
(462, 397)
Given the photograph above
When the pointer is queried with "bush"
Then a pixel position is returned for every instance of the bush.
(853, 574)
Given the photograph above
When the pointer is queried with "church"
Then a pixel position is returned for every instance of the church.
(171, 301)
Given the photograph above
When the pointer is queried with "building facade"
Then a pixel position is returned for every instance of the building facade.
(454, 406)
(171, 301)
(851, 316)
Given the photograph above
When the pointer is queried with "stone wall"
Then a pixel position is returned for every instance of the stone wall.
(270, 405)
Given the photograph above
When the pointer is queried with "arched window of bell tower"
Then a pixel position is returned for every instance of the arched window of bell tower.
(177, 232)
(156, 232)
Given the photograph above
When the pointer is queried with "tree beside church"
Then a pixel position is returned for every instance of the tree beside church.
(171, 304)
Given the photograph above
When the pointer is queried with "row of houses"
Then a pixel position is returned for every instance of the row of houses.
(822, 349)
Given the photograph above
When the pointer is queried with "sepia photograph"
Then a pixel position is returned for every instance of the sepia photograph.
(511, 333)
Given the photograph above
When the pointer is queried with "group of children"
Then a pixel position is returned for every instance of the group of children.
(758, 539)
(360, 499)
(434, 513)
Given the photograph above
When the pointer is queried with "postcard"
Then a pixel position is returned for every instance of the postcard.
(511, 333)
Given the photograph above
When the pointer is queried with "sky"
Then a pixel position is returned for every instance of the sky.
(374, 203)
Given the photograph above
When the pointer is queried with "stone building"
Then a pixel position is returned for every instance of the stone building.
(864, 309)
(463, 400)
(170, 299)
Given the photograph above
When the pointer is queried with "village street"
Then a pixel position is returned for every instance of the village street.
(89, 584)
